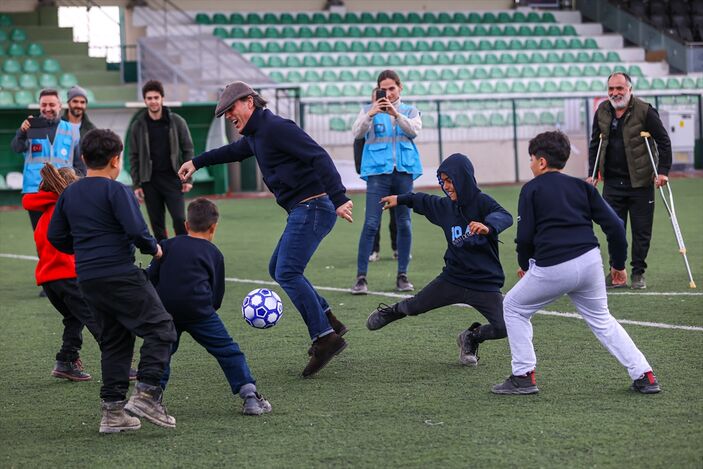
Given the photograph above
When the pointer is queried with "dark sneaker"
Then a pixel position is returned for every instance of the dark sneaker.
(468, 345)
(323, 350)
(146, 402)
(403, 284)
(361, 287)
(115, 419)
(609, 282)
(42, 293)
(646, 384)
(375, 256)
(383, 316)
(336, 324)
(517, 385)
(72, 371)
(395, 254)
(638, 282)
(255, 404)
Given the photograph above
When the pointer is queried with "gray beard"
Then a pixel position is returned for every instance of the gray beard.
(622, 105)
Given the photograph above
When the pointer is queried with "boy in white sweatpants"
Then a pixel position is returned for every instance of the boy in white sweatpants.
(558, 255)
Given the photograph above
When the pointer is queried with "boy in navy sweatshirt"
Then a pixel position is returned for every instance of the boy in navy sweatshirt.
(558, 255)
(472, 274)
(98, 220)
(190, 280)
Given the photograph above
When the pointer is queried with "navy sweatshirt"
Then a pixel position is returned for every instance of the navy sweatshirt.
(99, 221)
(470, 261)
(555, 214)
(189, 278)
(293, 165)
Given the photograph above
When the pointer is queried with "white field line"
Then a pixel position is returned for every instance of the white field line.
(658, 325)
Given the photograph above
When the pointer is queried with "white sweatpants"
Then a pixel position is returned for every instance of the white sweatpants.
(583, 280)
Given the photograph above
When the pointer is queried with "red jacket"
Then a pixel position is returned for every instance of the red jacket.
(53, 264)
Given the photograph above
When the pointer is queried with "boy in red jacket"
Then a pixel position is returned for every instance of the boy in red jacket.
(56, 274)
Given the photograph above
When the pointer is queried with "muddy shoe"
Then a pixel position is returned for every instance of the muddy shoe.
(646, 384)
(517, 385)
(403, 284)
(468, 345)
(115, 419)
(361, 287)
(72, 371)
(383, 316)
(323, 350)
(146, 402)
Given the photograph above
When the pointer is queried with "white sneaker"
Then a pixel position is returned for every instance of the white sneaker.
(375, 256)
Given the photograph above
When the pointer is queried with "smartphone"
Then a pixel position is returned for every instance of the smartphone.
(380, 94)
(38, 122)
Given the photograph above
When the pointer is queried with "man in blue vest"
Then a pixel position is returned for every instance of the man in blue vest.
(46, 139)
(389, 165)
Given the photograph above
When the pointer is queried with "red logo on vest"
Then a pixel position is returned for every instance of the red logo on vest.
(36, 147)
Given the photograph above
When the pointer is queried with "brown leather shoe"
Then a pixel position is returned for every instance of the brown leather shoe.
(336, 324)
(323, 350)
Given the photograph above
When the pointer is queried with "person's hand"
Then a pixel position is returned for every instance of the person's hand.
(661, 181)
(388, 108)
(26, 124)
(389, 201)
(186, 170)
(186, 187)
(478, 228)
(591, 181)
(619, 277)
(139, 193)
(345, 211)
(520, 273)
(159, 252)
(375, 108)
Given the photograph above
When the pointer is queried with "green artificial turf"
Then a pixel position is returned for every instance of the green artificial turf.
(396, 397)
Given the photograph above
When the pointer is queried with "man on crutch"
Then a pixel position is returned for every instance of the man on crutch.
(624, 166)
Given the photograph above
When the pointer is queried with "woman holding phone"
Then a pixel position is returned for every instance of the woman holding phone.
(389, 165)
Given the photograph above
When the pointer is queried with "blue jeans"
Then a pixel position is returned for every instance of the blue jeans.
(308, 224)
(212, 334)
(376, 187)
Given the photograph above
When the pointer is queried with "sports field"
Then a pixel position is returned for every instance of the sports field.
(396, 397)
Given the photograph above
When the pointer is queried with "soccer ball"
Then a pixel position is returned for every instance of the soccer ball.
(262, 308)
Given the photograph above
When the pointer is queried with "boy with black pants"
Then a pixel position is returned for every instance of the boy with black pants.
(472, 273)
(98, 219)
(190, 280)
(558, 255)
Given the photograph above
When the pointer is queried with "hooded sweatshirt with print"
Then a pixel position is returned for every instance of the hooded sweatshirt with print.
(470, 261)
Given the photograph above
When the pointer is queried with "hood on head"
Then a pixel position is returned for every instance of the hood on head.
(459, 169)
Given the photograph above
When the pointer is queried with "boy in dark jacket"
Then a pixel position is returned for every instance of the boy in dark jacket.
(190, 280)
(98, 219)
(472, 273)
(558, 255)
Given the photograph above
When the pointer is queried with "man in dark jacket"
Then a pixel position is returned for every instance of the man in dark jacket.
(306, 184)
(159, 144)
(76, 112)
(625, 167)
(472, 274)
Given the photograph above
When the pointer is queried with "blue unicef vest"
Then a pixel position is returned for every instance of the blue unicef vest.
(41, 151)
(388, 147)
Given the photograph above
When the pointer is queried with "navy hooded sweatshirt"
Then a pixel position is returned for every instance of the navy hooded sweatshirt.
(293, 165)
(470, 261)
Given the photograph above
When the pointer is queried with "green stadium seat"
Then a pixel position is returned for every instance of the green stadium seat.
(518, 87)
(485, 44)
(312, 76)
(469, 87)
(553, 31)
(257, 33)
(30, 66)
(512, 72)
(273, 47)
(497, 119)
(673, 84)
(547, 118)
(491, 59)
(429, 122)
(219, 18)
(220, 32)
(48, 80)
(237, 33)
(560, 43)
(398, 17)
(530, 44)
(613, 57)
(530, 72)
(581, 85)
(534, 86)
(480, 73)
(533, 17)
(305, 32)
(568, 57)
(500, 44)
(447, 74)
(11, 66)
(480, 30)
(338, 31)
(489, 18)
(429, 17)
(369, 31)
(15, 50)
(257, 47)
(576, 44)
(335, 18)
(590, 43)
(446, 121)
(418, 89)
(444, 17)
(257, 61)
(604, 71)
(236, 18)
(294, 76)
(342, 61)
(504, 17)
(473, 18)
(597, 85)
(308, 46)
(566, 86)
(253, 18)
(271, 33)
(7, 98)
(459, 59)
(276, 61)
(522, 58)
(635, 71)
(395, 60)
(528, 118)
(583, 57)
(361, 61)
(350, 90)
(550, 86)
(386, 32)
(598, 57)
(332, 91)
(546, 44)
(365, 76)
(8, 82)
(589, 71)
(688, 83)
(496, 72)
(18, 35)
(539, 30)
(452, 88)
(28, 81)
(435, 89)
(413, 17)
(24, 98)
(294, 61)
(321, 31)
(346, 75)
(313, 91)
(288, 32)
(486, 87)
(548, 18)
(459, 18)
(329, 75)
(519, 17)
(383, 17)
(5, 20)
(462, 121)
(480, 120)
(276, 76)
(502, 87)
(374, 47)
(525, 30)
(367, 17)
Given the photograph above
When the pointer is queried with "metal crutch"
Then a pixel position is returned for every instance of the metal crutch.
(670, 209)
(595, 165)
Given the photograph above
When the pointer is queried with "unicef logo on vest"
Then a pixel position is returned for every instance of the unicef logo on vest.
(64, 152)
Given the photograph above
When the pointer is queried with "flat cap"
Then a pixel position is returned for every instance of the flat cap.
(232, 92)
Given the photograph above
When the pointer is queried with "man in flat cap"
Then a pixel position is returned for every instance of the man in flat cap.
(76, 113)
(305, 182)
(159, 143)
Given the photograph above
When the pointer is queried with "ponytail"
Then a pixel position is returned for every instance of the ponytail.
(54, 180)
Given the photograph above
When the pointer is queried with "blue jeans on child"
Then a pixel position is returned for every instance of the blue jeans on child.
(379, 186)
(308, 224)
(212, 334)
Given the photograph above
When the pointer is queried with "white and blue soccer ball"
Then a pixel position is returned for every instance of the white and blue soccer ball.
(262, 308)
